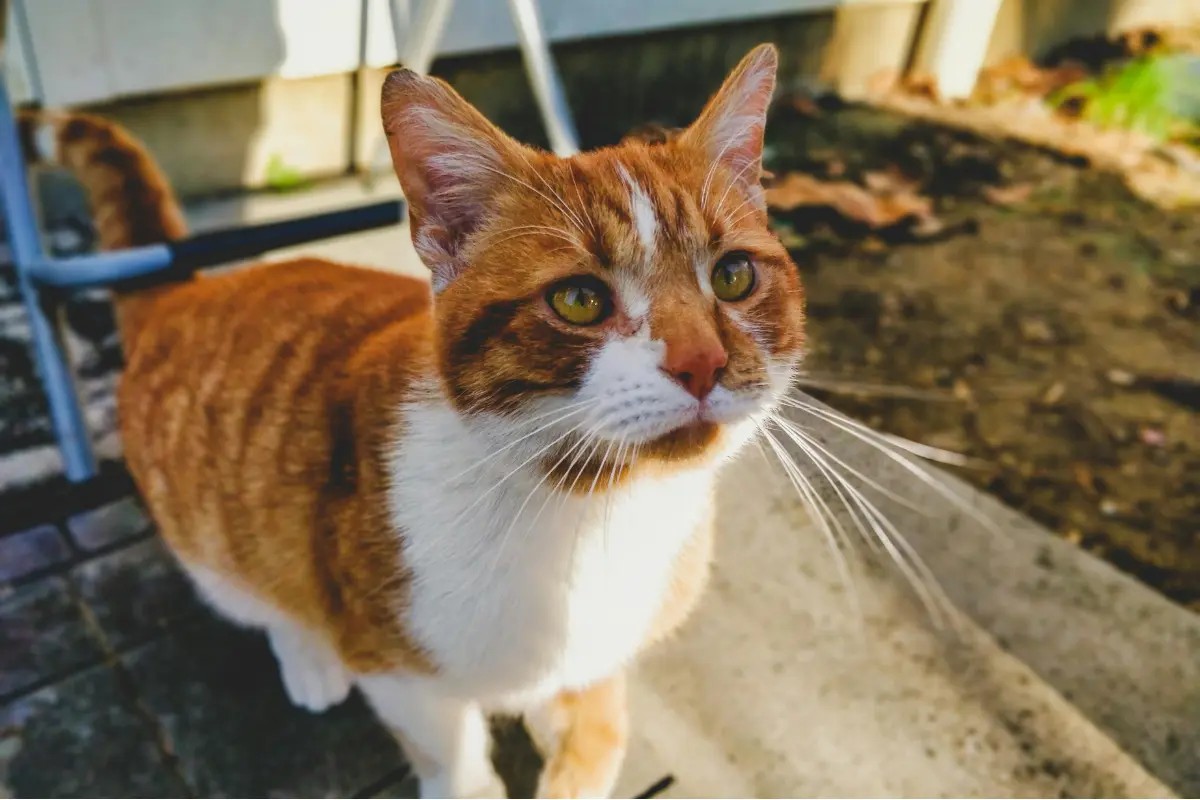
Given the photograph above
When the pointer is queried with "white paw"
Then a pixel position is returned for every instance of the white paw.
(313, 676)
(485, 785)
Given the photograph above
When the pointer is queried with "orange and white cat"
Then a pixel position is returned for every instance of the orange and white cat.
(488, 493)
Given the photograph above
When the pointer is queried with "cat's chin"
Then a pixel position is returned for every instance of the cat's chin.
(685, 443)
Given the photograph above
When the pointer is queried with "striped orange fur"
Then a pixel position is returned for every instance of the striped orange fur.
(489, 492)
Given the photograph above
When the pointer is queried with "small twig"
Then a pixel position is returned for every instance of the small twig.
(657, 788)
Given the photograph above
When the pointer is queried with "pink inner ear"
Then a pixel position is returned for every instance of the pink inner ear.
(731, 127)
(449, 159)
(447, 168)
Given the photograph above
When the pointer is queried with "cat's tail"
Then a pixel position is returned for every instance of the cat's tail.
(132, 203)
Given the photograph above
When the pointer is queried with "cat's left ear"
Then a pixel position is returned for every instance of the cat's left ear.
(450, 161)
(731, 127)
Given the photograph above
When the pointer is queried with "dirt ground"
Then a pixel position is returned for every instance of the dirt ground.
(1057, 315)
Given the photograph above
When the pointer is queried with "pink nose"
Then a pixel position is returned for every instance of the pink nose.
(696, 366)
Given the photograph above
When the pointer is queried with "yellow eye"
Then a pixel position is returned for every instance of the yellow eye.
(733, 277)
(580, 301)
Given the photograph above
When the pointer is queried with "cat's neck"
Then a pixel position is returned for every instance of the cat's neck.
(521, 586)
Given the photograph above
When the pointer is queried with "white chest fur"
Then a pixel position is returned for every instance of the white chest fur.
(519, 591)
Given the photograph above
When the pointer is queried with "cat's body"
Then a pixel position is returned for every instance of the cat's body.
(488, 497)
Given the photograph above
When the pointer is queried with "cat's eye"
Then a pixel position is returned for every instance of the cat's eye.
(733, 277)
(580, 301)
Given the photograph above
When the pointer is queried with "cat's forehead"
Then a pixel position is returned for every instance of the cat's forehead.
(643, 209)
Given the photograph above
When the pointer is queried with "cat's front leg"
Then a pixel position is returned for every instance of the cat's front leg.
(583, 736)
(445, 738)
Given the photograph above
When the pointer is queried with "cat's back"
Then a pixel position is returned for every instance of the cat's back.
(252, 402)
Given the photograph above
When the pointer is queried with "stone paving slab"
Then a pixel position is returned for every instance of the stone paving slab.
(31, 551)
(83, 738)
(216, 692)
(116, 522)
(136, 593)
(42, 635)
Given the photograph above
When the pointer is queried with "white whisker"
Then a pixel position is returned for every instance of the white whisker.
(530, 230)
(911, 565)
(567, 411)
(796, 430)
(558, 200)
(462, 514)
(865, 434)
(732, 183)
(566, 211)
(877, 389)
(810, 498)
(575, 448)
(824, 469)
(930, 453)
(716, 162)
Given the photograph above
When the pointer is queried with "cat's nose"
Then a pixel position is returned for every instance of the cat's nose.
(696, 365)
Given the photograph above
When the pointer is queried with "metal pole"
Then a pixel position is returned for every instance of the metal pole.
(543, 77)
(416, 46)
(421, 42)
(74, 441)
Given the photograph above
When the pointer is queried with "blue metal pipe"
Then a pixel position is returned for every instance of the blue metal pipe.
(74, 441)
(101, 269)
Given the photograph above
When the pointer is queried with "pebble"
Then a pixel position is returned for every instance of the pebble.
(1120, 377)
(1034, 329)
(1054, 393)
(1152, 436)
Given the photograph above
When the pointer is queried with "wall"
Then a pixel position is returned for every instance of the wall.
(89, 51)
(1033, 27)
(221, 136)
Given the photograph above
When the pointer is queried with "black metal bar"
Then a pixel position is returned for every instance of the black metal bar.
(658, 787)
(172, 261)
(231, 244)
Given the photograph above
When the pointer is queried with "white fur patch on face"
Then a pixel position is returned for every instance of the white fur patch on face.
(634, 298)
(704, 269)
(636, 401)
(645, 221)
(631, 400)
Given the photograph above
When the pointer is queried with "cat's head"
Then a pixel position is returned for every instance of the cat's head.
(634, 293)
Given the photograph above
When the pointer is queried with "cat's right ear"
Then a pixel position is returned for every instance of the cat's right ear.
(449, 159)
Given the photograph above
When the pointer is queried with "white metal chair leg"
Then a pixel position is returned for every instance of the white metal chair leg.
(418, 44)
(543, 76)
(418, 48)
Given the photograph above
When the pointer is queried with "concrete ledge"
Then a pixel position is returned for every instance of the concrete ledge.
(1126, 657)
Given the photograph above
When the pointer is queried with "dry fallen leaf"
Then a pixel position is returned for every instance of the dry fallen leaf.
(1084, 477)
(889, 181)
(805, 104)
(876, 210)
(1010, 195)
